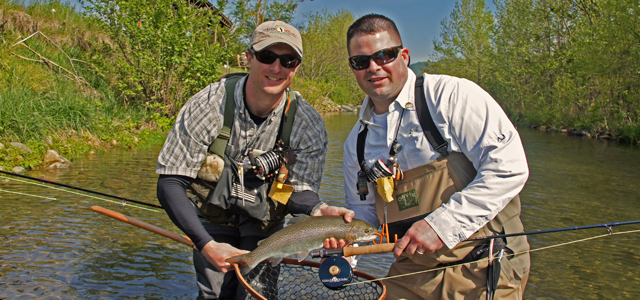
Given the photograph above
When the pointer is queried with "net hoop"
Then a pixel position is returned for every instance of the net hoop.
(313, 264)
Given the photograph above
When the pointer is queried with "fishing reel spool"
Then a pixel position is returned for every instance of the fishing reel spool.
(379, 169)
(335, 272)
(269, 163)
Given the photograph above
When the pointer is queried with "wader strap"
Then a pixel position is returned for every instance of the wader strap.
(219, 145)
(362, 137)
(429, 128)
(286, 124)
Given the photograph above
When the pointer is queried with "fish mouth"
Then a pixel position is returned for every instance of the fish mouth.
(366, 238)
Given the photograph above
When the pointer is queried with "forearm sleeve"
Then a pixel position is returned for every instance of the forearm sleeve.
(174, 200)
(303, 202)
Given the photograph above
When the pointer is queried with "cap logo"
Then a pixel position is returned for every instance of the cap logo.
(279, 30)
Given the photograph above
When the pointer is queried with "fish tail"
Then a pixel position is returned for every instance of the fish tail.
(244, 262)
(239, 259)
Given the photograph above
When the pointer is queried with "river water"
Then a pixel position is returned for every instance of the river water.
(52, 246)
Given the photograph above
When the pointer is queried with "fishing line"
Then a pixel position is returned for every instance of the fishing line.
(506, 255)
(122, 203)
(12, 192)
(79, 188)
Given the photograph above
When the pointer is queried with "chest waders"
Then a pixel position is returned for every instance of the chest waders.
(223, 202)
(420, 192)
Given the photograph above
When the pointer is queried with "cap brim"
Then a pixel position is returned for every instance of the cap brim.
(259, 46)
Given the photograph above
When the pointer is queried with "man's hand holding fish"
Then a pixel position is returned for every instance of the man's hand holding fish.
(217, 253)
(328, 210)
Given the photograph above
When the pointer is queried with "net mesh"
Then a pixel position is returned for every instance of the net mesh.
(299, 280)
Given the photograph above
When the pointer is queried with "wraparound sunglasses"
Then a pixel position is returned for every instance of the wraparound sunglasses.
(268, 57)
(381, 57)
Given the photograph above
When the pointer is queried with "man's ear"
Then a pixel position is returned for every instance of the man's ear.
(247, 53)
(405, 55)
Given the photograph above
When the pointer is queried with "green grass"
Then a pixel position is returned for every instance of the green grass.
(62, 104)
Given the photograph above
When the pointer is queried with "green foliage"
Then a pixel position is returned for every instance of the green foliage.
(248, 14)
(165, 50)
(570, 64)
(325, 67)
(465, 48)
(50, 96)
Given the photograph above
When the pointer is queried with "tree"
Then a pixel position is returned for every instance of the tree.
(325, 65)
(466, 40)
(248, 14)
(165, 50)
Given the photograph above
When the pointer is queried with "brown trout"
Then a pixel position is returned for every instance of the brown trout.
(302, 236)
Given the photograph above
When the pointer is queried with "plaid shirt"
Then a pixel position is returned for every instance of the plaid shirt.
(201, 119)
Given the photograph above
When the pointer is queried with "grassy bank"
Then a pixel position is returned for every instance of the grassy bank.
(51, 97)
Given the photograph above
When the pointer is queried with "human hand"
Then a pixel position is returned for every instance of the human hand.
(420, 239)
(218, 253)
(333, 244)
(328, 210)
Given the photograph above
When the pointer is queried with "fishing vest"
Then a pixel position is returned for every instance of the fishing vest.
(222, 201)
(427, 187)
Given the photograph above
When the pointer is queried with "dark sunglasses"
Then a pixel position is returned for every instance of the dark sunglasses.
(268, 57)
(381, 57)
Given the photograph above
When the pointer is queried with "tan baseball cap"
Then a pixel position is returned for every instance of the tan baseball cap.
(273, 32)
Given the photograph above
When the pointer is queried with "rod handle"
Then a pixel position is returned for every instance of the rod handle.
(369, 249)
(350, 251)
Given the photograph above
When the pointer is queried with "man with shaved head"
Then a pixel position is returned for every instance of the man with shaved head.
(437, 159)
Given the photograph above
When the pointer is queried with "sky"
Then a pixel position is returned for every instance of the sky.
(417, 20)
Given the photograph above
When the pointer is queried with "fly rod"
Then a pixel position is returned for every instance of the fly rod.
(351, 251)
(80, 189)
(605, 225)
(388, 247)
(135, 222)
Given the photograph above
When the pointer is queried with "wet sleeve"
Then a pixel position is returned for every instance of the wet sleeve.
(172, 195)
(303, 202)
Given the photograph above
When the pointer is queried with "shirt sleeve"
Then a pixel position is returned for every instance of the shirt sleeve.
(172, 196)
(304, 202)
(365, 209)
(197, 124)
(479, 128)
(309, 142)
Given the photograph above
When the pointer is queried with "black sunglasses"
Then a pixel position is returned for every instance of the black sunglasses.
(381, 57)
(268, 57)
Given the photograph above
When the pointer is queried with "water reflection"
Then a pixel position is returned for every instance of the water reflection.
(61, 249)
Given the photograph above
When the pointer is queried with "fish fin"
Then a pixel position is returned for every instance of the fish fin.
(245, 270)
(275, 260)
(301, 255)
(296, 218)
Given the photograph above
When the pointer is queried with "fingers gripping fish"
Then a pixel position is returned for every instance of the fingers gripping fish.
(303, 235)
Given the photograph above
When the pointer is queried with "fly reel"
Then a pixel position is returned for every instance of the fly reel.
(335, 272)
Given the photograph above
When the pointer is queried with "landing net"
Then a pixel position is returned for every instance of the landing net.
(299, 281)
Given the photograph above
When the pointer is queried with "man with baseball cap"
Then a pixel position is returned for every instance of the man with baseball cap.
(226, 214)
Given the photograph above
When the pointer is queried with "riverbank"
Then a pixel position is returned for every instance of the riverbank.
(52, 97)
(580, 133)
(56, 93)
